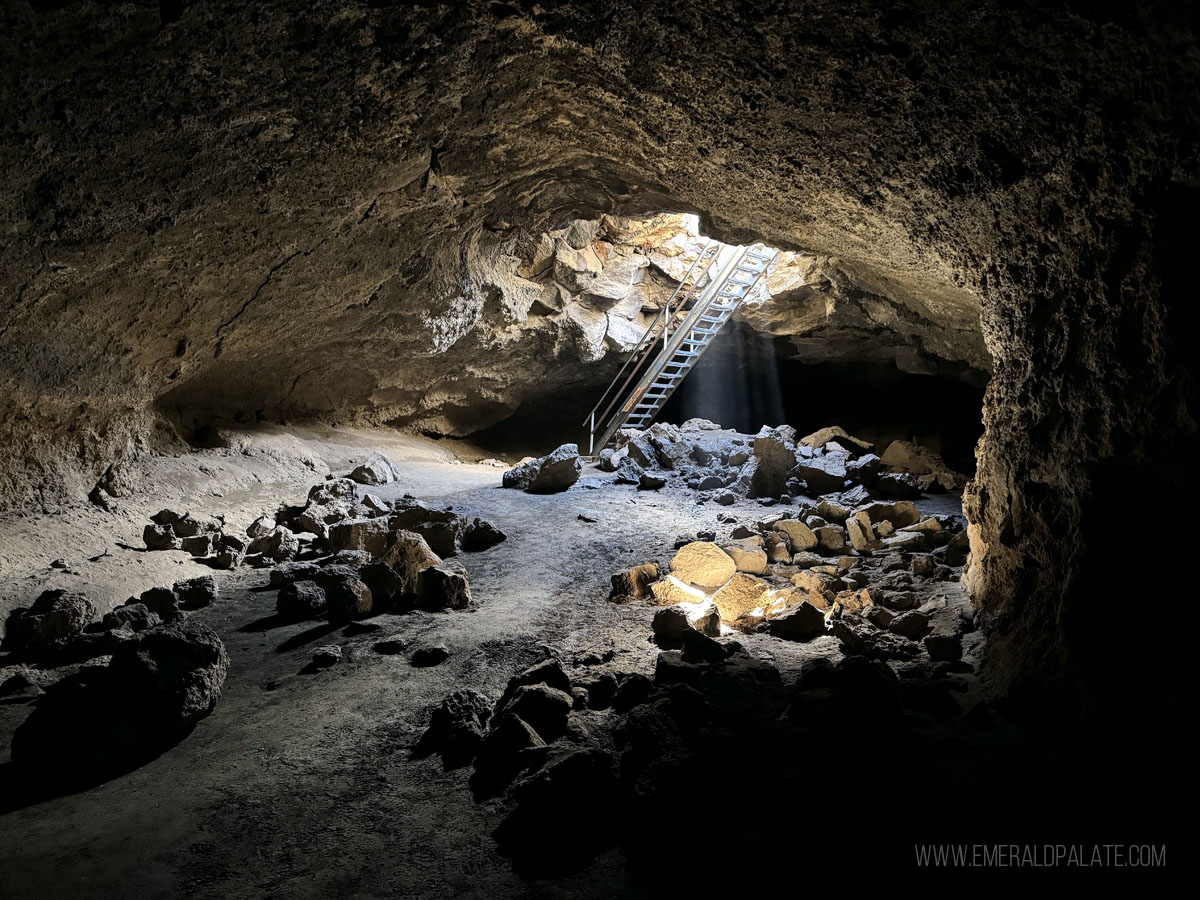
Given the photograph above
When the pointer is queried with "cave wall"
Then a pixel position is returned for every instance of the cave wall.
(275, 205)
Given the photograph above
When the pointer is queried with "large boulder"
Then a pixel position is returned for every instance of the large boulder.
(822, 474)
(703, 565)
(378, 469)
(456, 728)
(157, 686)
(300, 600)
(818, 439)
(196, 593)
(481, 535)
(54, 615)
(633, 583)
(799, 535)
(800, 622)
(776, 456)
(547, 475)
(742, 594)
(398, 571)
(371, 535)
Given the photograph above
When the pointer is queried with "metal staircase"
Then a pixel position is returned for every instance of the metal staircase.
(685, 326)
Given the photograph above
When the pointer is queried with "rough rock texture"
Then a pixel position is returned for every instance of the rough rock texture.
(178, 243)
(156, 687)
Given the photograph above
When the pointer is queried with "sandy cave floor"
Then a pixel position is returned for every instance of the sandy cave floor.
(303, 785)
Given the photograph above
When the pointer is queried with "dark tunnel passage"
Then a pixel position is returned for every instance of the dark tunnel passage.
(745, 381)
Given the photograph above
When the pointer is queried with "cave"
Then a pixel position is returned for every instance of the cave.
(594, 449)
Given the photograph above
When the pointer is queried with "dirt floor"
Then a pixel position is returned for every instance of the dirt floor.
(303, 785)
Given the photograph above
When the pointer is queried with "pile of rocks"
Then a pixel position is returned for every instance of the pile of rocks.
(774, 466)
(874, 575)
(62, 627)
(134, 680)
(337, 515)
(394, 560)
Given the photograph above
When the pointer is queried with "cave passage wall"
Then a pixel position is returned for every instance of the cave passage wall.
(273, 210)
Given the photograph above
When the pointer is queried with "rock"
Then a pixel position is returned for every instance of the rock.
(502, 754)
(166, 517)
(944, 641)
(162, 602)
(819, 439)
(158, 684)
(456, 728)
(703, 565)
(799, 622)
(923, 564)
(649, 482)
(548, 672)
(369, 535)
(900, 485)
(778, 548)
(668, 626)
(898, 514)
(200, 545)
(742, 594)
(912, 624)
(481, 535)
(442, 529)
(261, 527)
(707, 621)
(725, 498)
(904, 541)
(629, 472)
(854, 601)
(196, 593)
(134, 616)
(378, 469)
(634, 583)
(831, 538)
(823, 474)
(601, 688)
(670, 591)
(326, 656)
(332, 491)
(879, 616)
(544, 708)
(884, 529)
(425, 657)
(396, 576)
(300, 600)
(293, 571)
(547, 475)
(605, 460)
(928, 525)
(748, 555)
(858, 527)
(800, 536)
(54, 615)
(632, 690)
(922, 461)
(443, 587)
(776, 455)
(160, 537)
(806, 560)
(376, 505)
(230, 551)
(858, 638)
(864, 470)
(832, 511)
(346, 595)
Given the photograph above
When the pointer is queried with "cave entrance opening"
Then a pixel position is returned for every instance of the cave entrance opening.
(719, 279)
(819, 343)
